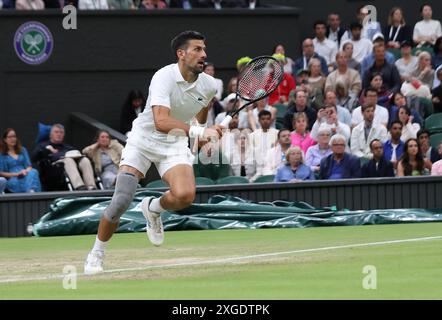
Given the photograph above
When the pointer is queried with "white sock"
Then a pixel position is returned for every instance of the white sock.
(155, 206)
(100, 245)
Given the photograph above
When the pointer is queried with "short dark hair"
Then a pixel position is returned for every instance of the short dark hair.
(180, 41)
(374, 140)
(264, 113)
(281, 131)
(370, 89)
(319, 22)
(396, 122)
(421, 132)
(355, 25)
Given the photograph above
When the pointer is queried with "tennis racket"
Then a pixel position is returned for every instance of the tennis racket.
(260, 77)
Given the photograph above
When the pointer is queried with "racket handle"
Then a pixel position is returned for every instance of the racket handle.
(226, 121)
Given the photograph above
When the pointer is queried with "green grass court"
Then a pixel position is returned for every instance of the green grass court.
(196, 265)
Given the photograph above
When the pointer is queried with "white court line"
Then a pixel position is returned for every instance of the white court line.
(225, 260)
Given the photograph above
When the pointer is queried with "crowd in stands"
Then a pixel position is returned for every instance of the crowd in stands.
(354, 104)
(127, 4)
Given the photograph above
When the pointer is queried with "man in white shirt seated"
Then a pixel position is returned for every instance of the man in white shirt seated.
(324, 47)
(361, 46)
(262, 140)
(380, 113)
(276, 156)
(328, 116)
(365, 132)
(427, 30)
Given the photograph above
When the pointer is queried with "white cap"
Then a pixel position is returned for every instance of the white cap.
(378, 35)
(229, 98)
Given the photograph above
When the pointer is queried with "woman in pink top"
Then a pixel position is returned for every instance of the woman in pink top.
(300, 136)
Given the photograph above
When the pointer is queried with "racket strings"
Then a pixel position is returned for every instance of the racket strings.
(260, 78)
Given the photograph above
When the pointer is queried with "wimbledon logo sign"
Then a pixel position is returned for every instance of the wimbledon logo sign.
(33, 43)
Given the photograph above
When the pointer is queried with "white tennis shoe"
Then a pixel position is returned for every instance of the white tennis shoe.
(94, 262)
(154, 225)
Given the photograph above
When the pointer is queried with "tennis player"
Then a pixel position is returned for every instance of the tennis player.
(178, 93)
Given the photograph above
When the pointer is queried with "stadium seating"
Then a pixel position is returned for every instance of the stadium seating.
(157, 184)
(232, 180)
(435, 139)
(203, 181)
(434, 123)
(267, 178)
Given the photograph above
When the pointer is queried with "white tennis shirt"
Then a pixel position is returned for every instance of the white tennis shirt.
(169, 89)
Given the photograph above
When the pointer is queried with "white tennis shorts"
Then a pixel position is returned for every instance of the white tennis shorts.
(141, 156)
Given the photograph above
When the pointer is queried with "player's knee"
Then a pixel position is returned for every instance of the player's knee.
(120, 203)
(184, 197)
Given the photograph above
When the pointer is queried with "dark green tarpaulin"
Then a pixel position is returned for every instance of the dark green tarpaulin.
(73, 216)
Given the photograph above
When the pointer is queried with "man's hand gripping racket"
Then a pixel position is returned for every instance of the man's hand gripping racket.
(260, 77)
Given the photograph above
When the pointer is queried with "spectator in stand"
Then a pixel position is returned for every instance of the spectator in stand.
(380, 113)
(294, 169)
(262, 140)
(349, 77)
(437, 93)
(209, 68)
(412, 162)
(55, 150)
(300, 136)
(424, 71)
(370, 26)
(437, 53)
(316, 82)
(390, 75)
(378, 166)
(328, 116)
(232, 86)
(365, 132)
(320, 150)
(240, 155)
(15, 165)
(281, 94)
(153, 4)
(427, 30)
(347, 48)
(242, 62)
(397, 30)
(228, 104)
(399, 100)
(299, 105)
(394, 147)
(334, 30)
(384, 95)
(339, 164)
(428, 152)
(276, 156)
(344, 115)
(408, 63)
(369, 60)
(288, 62)
(253, 114)
(362, 47)
(105, 155)
(95, 5)
(308, 52)
(409, 129)
(324, 47)
(436, 168)
(344, 98)
(134, 105)
(29, 5)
